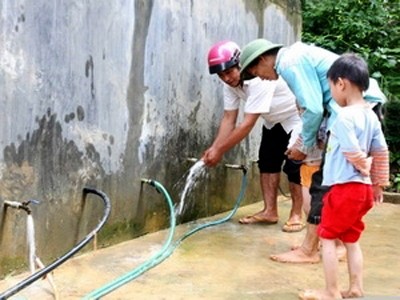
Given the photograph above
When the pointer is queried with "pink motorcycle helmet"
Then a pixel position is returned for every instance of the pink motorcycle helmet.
(223, 55)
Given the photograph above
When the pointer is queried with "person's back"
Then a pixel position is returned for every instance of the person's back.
(364, 126)
(304, 68)
(312, 61)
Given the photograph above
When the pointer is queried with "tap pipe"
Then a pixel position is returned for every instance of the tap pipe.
(231, 166)
(19, 205)
(33, 259)
(237, 167)
(13, 204)
(168, 247)
(42, 272)
(29, 228)
(148, 181)
(192, 159)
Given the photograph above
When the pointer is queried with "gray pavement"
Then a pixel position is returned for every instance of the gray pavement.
(227, 261)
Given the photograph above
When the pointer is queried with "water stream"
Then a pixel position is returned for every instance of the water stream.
(31, 243)
(34, 261)
(195, 172)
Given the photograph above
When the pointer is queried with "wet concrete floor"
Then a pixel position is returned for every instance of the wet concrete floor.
(227, 261)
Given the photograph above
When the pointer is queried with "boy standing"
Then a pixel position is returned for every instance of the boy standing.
(355, 137)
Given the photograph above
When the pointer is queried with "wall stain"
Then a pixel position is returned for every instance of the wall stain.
(50, 168)
(80, 112)
(89, 66)
(69, 117)
(20, 19)
(132, 169)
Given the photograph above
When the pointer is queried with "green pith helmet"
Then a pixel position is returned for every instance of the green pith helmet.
(253, 50)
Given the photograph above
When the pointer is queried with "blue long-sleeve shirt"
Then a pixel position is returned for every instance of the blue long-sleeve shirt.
(304, 68)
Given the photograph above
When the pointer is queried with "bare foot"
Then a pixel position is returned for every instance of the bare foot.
(297, 246)
(296, 256)
(352, 293)
(318, 295)
(294, 247)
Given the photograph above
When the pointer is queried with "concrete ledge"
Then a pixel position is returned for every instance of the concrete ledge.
(391, 197)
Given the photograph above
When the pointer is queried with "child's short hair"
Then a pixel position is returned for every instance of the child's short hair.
(351, 67)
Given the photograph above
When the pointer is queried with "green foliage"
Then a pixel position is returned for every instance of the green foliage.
(395, 171)
(392, 129)
(396, 183)
(370, 28)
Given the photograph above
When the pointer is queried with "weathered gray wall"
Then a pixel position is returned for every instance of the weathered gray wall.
(101, 93)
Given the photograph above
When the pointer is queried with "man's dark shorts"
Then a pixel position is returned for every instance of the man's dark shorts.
(271, 154)
(317, 192)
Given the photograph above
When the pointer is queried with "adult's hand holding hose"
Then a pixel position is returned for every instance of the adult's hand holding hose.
(212, 156)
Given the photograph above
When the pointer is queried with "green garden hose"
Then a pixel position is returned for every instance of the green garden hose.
(169, 246)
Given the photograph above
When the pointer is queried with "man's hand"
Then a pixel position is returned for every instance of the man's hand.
(295, 154)
(212, 156)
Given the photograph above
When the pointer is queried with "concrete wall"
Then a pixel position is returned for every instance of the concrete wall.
(102, 93)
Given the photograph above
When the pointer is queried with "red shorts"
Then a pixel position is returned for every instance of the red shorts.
(343, 210)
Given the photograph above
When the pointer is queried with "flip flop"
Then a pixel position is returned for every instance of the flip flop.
(293, 226)
(256, 219)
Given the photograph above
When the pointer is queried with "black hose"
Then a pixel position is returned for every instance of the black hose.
(42, 272)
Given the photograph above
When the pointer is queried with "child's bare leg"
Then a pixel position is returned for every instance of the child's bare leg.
(340, 250)
(355, 267)
(306, 253)
(330, 263)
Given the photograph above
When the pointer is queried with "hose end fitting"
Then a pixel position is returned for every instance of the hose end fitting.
(146, 180)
